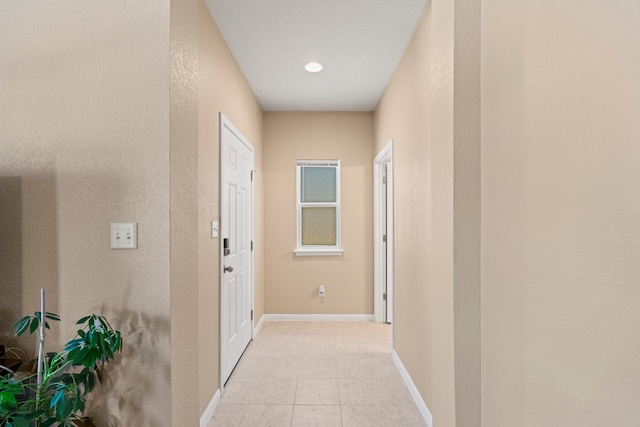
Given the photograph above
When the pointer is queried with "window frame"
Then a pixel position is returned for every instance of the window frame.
(318, 250)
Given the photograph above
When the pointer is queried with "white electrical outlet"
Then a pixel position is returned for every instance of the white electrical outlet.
(124, 235)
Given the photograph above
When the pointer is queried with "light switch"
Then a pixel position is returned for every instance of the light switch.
(124, 235)
(214, 229)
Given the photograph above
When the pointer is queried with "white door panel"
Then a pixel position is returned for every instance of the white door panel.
(383, 226)
(236, 293)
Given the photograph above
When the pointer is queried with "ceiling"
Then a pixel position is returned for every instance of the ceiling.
(358, 42)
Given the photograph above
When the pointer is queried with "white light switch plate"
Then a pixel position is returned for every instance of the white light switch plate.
(214, 229)
(124, 235)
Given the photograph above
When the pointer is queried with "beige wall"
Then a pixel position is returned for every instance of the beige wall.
(560, 251)
(91, 135)
(183, 205)
(291, 283)
(431, 111)
(559, 149)
(84, 141)
(403, 115)
(223, 88)
(110, 114)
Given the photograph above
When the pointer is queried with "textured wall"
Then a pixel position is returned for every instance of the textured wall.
(403, 115)
(431, 110)
(561, 251)
(223, 88)
(291, 282)
(84, 125)
(183, 184)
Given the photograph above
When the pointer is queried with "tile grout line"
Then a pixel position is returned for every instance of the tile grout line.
(295, 391)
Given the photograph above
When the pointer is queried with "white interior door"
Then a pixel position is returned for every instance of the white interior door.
(388, 256)
(236, 234)
(383, 234)
(383, 258)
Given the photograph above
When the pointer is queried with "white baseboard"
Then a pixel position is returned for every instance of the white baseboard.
(208, 412)
(316, 317)
(424, 410)
(258, 326)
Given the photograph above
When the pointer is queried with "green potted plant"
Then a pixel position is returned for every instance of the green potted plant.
(55, 395)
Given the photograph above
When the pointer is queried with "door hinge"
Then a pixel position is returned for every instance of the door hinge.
(252, 312)
(252, 171)
(384, 238)
(384, 179)
(384, 296)
(252, 245)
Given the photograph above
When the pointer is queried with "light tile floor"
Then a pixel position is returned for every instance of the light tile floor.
(322, 374)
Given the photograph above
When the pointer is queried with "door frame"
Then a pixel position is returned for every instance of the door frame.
(225, 122)
(384, 157)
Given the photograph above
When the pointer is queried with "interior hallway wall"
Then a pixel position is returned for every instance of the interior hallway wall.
(222, 88)
(183, 208)
(403, 114)
(84, 141)
(291, 282)
(560, 213)
(431, 110)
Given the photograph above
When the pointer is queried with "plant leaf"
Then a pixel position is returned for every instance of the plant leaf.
(48, 423)
(19, 422)
(21, 325)
(63, 409)
(51, 316)
(91, 380)
(57, 397)
(34, 324)
(83, 320)
(73, 347)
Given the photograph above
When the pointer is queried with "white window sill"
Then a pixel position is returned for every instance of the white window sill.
(318, 252)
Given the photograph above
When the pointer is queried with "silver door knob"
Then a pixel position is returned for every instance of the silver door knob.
(228, 269)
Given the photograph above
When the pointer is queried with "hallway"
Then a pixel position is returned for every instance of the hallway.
(299, 373)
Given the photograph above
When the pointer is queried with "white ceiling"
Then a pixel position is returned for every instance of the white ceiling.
(359, 43)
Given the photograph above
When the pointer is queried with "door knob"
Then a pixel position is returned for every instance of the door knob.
(228, 269)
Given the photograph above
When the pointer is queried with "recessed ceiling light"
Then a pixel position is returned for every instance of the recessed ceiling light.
(313, 67)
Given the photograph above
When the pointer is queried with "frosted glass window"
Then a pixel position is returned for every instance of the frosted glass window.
(319, 226)
(318, 205)
(318, 184)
